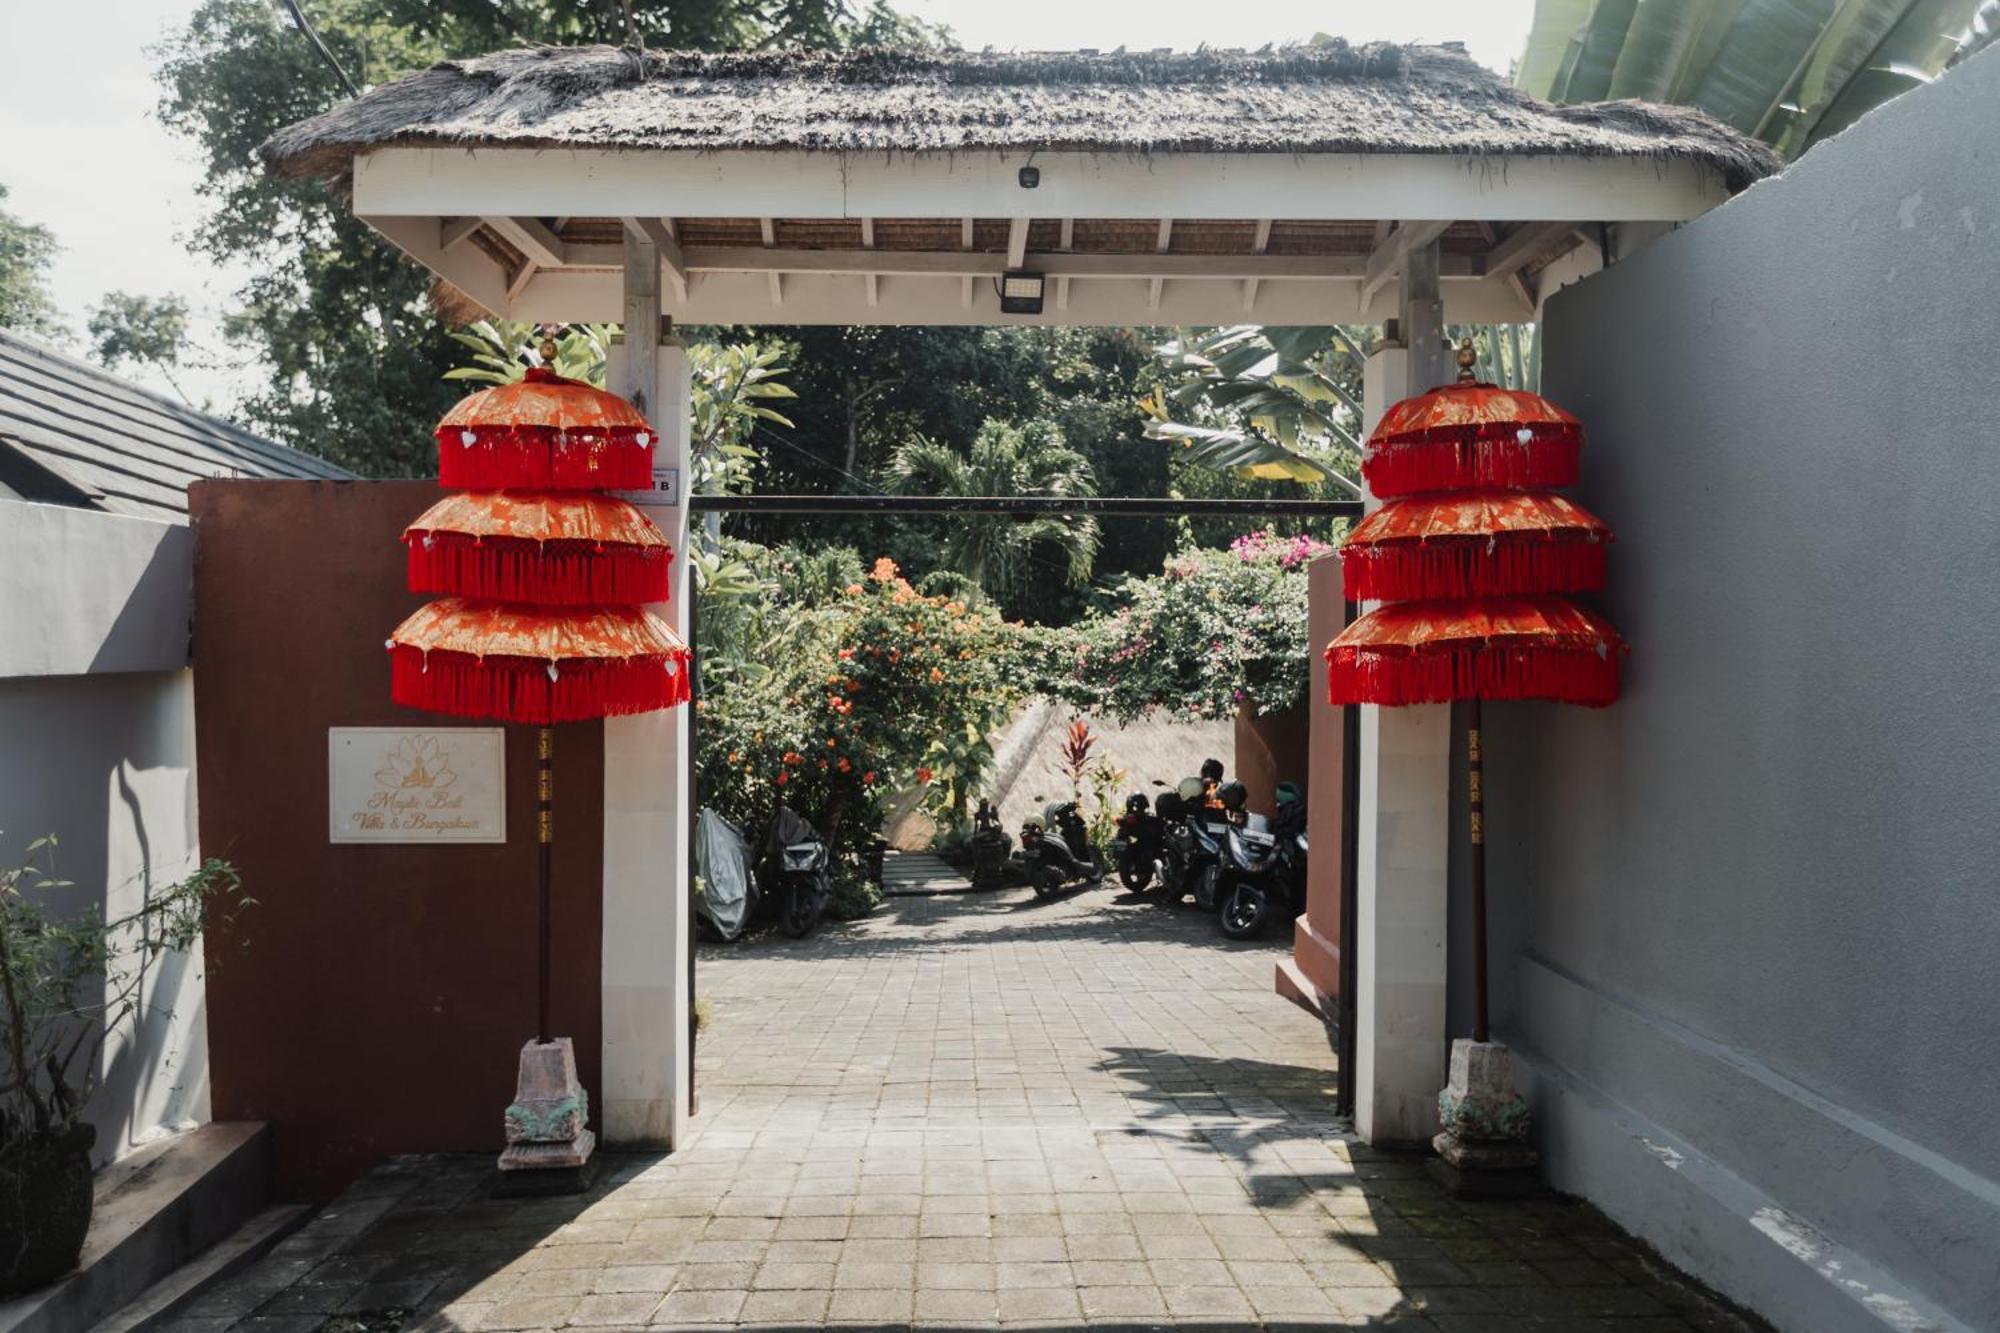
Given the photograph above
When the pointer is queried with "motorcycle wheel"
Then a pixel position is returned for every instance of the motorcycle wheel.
(1049, 881)
(1245, 911)
(802, 907)
(1135, 875)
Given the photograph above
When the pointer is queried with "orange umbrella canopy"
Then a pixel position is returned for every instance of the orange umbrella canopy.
(1476, 648)
(1470, 434)
(541, 665)
(545, 432)
(1474, 544)
(555, 550)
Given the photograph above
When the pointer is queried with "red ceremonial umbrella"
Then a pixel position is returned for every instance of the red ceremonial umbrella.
(544, 432)
(1471, 434)
(544, 621)
(1474, 544)
(531, 664)
(551, 550)
(1483, 553)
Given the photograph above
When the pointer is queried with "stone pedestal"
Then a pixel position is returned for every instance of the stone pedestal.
(548, 1144)
(1483, 1148)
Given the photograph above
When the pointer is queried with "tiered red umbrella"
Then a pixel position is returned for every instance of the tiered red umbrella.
(545, 619)
(1467, 559)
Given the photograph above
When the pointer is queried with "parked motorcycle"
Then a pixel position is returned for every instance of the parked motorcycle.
(1265, 871)
(798, 864)
(1137, 847)
(990, 847)
(1056, 846)
(1192, 844)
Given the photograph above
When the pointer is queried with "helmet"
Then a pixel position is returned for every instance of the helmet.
(1288, 793)
(1033, 821)
(1135, 804)
(1212, 769)
(1233, 795)
(1190, 788)
(1168, 805)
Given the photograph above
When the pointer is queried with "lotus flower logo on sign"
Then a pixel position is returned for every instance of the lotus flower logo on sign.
(389, 784)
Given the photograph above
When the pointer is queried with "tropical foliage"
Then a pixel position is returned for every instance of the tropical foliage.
(67, 983)
(1213, 631)
(1000, 554)
(1790, 72)
(829, 698)
(26, 251)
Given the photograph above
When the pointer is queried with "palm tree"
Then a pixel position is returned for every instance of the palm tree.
(994, 550)
(1789, 72)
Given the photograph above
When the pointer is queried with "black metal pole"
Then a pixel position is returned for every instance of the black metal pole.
(1109, 505)
(545, 832)
(1475, 803)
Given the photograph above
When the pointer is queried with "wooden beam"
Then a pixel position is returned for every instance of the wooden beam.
(1068, 234)
(1386, 261)
(522, 276)
(1159, 284)
(1524, 245)
(452, 231)
(1017, 243)
(872, 281)
(1260, 243)
(769, 228)
(659, 234)
(532, 238)
(965, 233)
(954, 263)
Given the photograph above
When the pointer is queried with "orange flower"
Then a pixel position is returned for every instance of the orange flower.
(844, 765)
(895, 654)
(956, 608)
(937, 676)
(853, 590)
(831, 742)
(735, 757)
(923, 775)
(854, 687)
(868, 778)
(793, 757)
(846, 654)
(783, 777)
(885, 569)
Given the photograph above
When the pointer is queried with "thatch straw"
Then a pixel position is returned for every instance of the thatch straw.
(1333, 98)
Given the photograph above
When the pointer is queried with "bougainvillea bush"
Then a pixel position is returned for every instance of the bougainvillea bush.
(829, 698)
(1215, 629)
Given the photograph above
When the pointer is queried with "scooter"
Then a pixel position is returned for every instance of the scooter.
(1056, 846)
(1136, 849)
(1265, 873)
(798, 863)
(1193, 844)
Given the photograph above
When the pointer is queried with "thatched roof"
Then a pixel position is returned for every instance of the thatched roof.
(1332, 98)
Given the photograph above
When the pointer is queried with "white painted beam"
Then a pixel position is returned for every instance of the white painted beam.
(659, 234)
(1386, 260)
(543, 247)
(954, 263)
(467, 268)
(1157, 284)
(1017, 243)
(454, 231)
(872, 281)
(1260, 243)
(1525, 244)
(543, 182)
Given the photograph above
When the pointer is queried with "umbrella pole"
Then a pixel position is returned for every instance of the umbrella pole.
(545, 746)
(1475, 802)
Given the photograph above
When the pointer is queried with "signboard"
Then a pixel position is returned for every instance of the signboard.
(433, 784)
(665, 492)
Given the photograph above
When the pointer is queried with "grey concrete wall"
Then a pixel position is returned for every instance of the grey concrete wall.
(84, 591)
(1746, 920)
(106, 763)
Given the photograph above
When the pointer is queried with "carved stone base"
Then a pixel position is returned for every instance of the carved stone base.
(1483, 1149)
(545, 1124)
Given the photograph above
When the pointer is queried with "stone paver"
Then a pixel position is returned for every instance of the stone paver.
(972, 1111)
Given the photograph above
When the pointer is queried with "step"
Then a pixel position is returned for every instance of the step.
(230, 1255)
(154, 1210)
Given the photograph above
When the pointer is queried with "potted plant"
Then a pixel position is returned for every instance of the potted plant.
(65, 984)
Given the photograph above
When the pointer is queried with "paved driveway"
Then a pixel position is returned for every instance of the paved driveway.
(971, 1111)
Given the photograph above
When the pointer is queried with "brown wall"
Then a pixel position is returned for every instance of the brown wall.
(375, 999)
(1270, 748)
(1316, 937)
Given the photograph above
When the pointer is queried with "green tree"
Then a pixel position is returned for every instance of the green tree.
(1789, 72)
(354, 354)
(1003, 554)
(149, 331)
(26, 251)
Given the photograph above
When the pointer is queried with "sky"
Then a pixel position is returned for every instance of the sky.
(82, 153)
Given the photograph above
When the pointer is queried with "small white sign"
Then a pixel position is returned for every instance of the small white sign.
(437, 784)
(665, 492)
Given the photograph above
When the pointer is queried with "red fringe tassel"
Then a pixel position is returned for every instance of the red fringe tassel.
(1472, 671)
(1489, 456)
(1465, 567)
(515, 689)
(540, 458)
(557, 573)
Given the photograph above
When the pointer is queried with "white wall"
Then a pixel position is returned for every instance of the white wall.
(97, 747)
